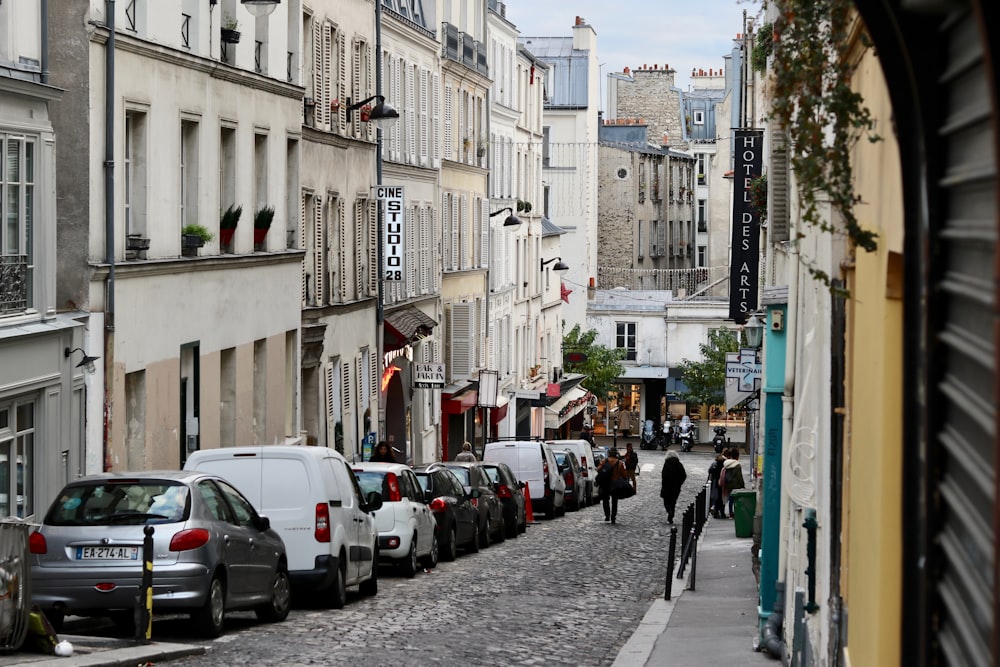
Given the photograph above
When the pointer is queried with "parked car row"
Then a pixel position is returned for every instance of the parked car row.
(242, 527)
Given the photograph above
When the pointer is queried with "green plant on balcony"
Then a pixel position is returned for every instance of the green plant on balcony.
(262, 219)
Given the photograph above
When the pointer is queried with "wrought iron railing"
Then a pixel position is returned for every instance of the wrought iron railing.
(14, 283)
(652, 279)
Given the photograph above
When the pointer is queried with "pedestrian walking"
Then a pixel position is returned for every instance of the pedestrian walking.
(714, 472)
(631, 463)
(731, 479)
(466, 453)
(587, 434)
(673, 478)
(611, 471)
(383, 453)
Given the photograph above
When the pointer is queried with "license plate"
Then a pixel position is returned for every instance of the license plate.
(107, 553)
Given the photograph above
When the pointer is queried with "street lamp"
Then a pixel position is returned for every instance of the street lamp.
(381, 114)
(87, 363)
(754, 330)
(560, 265)
(511, 221)
(260, 8)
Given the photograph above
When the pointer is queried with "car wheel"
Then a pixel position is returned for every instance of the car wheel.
(208, 620)
(369, 587)
(450, 550)
(338, 589)
(473, 545)
(276, 610)
(409, 565)
(501, 532)
(484, 535)
(430, 561)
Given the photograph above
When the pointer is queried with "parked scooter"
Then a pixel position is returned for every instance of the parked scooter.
(719, 441)
(650, 438)
(686, 434)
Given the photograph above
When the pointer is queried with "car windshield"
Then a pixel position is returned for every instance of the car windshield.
(370, 480)
(120, 503)
(424, 480)
(493, 474)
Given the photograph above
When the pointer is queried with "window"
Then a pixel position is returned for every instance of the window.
(702, 255)
(702, 221)
(702, 168)
(189, 173)
(135, 173)
(17, 184)
(699, 117)
(625, 338)
(17, 452)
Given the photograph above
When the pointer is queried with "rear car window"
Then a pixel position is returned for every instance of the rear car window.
(370, 480)
(462, 473)
(120, 503)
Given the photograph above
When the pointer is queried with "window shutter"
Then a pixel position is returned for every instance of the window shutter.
(369, 85)
(424, 256)
(361, 377)
(356, 86)
(330, 391)
(302, 244)
(341, 249)
(373, 241)
(397, 129)
(424, 103)
(345, 386)
(778, 181)
(480, 336)
(343, 91)
(491, 360)
(432, 131)
(319, 253)
(445, 222)
(449, 131)
(484, 230)
(464, 227)
(462, 346)
(412, 269)
(317, 73)
(661, 238)
(375, 382)
(359, 234)
(329, 46)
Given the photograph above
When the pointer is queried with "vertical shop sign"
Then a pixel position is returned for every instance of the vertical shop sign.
(744, 271)
(391, 197)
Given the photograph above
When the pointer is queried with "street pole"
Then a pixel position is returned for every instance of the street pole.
(379, 233)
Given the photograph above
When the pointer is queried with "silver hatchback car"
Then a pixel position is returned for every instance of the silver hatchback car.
(212, 552)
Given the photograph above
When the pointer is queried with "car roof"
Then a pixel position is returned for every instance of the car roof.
(174, 475)
(372, 466)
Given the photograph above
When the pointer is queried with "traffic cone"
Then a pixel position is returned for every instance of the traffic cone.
(529, 516)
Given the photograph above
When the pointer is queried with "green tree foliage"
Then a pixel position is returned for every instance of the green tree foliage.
(603, 364)
(706, 379)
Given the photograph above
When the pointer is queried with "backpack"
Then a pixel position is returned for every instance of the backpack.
(734, 477)
(603, 475)
(631, 460)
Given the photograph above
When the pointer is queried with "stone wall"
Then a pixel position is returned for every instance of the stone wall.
(651, 95)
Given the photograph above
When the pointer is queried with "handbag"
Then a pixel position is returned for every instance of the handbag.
(621, 488)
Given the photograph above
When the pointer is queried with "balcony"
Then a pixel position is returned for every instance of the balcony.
(14, 283)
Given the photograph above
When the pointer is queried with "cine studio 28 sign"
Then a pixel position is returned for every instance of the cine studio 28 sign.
(391, 197)
(744, 271)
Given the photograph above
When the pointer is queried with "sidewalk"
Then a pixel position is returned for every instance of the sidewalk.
(716, 622)
(102, 651)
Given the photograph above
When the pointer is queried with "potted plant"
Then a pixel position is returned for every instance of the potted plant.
(481, 145)
(366, 113)
(194, 237)
(227, 223)
(230, 30)
(262, 219)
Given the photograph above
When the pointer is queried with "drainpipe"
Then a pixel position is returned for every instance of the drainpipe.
(109, 223)
(771, 636)
(44, 8)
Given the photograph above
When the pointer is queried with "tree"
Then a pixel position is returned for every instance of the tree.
(706, 379)
(600, 365)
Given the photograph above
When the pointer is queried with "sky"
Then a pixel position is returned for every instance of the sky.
(683, 34)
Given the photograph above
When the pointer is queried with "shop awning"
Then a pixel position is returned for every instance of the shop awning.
(568, 405)
(644, 372)
(406, 325)
(500, 411)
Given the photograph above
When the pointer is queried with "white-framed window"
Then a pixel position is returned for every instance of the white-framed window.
(625, 338)
(17, 185)
(189, 178)
(17, 458)
(135, 168)
(699, 117)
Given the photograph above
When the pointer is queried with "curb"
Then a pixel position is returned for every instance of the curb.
(127, 656)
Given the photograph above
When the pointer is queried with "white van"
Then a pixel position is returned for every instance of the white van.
(313, 500)
(584, 454)
(535, 465)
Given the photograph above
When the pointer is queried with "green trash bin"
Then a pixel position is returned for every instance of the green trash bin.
(744, 507)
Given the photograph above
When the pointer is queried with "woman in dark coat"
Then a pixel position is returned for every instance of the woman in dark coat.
(383, 453)
(673, 478)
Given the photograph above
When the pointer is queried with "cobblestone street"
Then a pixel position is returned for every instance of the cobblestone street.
(568, 592)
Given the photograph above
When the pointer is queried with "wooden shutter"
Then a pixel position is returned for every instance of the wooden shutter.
(375, 385)
(329, 46)
(317, 69)
(361, 265)
(412, 269)
(302, 244)
(433, 133)
(461, 359)
(449, 130)
(778, 218)
(484, 231)
(319, 252)
(343, 90)
(373, 241)
(661, 238)
(356, 94)
(369, 84)
(460, 222)
(424, 104)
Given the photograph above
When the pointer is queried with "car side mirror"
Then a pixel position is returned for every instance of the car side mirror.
(373, 501)
(263, 523)
(520, 485)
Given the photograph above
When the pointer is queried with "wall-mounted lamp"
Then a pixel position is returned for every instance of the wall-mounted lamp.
(511, 221)
(260, 8)
(754, 331)
(380, 114)
(560, 266)
(87, 363)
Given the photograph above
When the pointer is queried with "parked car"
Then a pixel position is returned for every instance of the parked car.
(491, 520)
(573, 476)
(407, 531)
(314, 502)
(534, 464)
(457, 519)
(585, 455)
(212, 552)
(511, 495)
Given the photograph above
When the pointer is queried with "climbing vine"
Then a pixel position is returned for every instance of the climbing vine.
(813, 102)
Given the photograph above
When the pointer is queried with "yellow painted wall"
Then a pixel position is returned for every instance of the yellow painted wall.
(874, 453)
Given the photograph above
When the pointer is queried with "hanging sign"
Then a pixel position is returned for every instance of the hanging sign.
(393, 225)
(743, 270)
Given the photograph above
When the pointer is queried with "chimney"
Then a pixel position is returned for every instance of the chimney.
(579, 20)
(666, 139)
(656, 66)
(627, 71)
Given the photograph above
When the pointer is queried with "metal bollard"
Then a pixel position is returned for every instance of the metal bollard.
(694, 562)
(670, 562)
(144, 600)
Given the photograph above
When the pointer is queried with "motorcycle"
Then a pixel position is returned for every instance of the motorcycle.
(649, 438)
(719, 441)
(686, 434)
(667, 437)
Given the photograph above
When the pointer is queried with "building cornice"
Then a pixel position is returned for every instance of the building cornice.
(173, 265)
